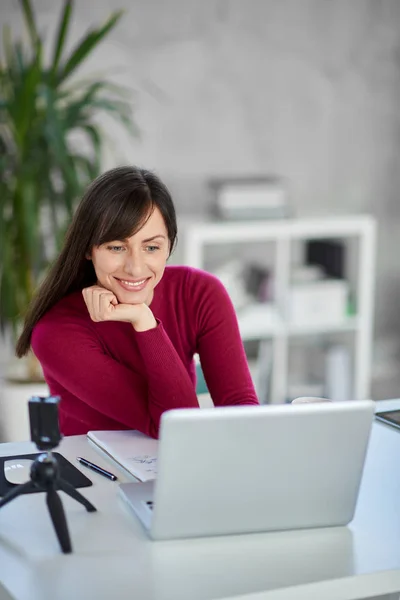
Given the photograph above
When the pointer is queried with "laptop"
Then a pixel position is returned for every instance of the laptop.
(231, 470)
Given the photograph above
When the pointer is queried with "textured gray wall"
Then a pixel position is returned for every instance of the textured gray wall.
(308, 89)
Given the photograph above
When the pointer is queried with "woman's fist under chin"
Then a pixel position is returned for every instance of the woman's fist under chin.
(103, 305)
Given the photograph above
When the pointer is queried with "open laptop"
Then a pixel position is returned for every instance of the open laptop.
(249, 469)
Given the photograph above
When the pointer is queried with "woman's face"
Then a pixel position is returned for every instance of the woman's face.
(132, 268)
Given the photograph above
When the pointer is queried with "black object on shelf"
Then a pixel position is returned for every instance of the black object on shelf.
(328, 254)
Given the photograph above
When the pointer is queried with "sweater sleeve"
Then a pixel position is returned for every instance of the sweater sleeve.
(71, 354)
(219, 344)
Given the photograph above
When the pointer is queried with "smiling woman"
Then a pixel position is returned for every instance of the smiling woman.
(131, 268)
(116, 330)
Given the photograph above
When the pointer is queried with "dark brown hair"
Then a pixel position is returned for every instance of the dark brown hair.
(115, 206)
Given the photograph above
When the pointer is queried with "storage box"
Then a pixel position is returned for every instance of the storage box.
(318, 302)
(251, 198)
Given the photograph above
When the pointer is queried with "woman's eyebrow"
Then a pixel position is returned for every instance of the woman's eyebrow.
(154, 237)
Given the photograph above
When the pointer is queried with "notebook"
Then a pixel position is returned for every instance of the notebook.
(132, 450)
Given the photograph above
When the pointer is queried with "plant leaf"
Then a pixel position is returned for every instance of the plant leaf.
(30, 21)
(118, 109)
(61, 34)
(74, 110)
(7, 46)
(25, 106)
(86, 45)
(95, 138)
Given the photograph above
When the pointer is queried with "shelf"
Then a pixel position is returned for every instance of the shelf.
(264, 321)
(348, 324)
(259, 321)
(222, 232)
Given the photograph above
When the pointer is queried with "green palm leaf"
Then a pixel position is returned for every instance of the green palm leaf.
(30, 21)
(61, 34)
(86, 45)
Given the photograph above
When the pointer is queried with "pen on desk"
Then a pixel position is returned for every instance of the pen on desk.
(96, 468)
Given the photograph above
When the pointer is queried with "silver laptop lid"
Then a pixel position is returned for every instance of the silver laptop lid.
(243, 469)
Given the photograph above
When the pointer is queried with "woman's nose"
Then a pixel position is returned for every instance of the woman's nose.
(134, 265)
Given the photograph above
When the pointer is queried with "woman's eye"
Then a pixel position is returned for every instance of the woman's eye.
(115, 248)
(152, 249)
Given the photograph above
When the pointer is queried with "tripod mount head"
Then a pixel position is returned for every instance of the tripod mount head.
(43, 418)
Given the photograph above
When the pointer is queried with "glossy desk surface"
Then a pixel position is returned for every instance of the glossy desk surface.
(114, 558)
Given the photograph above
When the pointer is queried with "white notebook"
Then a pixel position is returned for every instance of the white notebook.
(133, 450)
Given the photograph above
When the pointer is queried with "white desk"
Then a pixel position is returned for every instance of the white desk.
(113, 558)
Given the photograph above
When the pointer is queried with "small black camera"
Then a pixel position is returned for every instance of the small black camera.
(43, 418)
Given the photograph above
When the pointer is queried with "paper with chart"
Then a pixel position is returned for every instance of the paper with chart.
(133, 450)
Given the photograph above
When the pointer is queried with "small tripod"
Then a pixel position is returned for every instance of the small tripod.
(45, 478)
(45, 472)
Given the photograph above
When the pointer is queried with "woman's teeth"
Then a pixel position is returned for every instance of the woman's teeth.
(133, 284)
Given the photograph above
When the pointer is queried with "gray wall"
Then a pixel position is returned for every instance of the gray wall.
(308, 89)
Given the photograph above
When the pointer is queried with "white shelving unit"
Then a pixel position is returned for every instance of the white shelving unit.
(269, 321)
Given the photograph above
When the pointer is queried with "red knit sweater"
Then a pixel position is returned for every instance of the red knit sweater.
(110, 376)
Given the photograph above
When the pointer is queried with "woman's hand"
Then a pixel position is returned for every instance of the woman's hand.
(104, 306)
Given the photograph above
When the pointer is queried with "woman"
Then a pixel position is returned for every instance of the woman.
(115, 330)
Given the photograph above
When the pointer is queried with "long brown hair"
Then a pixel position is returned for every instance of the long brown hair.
(115, 206)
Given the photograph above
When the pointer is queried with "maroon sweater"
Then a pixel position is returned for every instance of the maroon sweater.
(110, 376)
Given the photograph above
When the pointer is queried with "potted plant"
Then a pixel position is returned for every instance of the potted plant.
(45, 121)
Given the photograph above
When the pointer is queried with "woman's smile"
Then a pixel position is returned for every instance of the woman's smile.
(133, 285)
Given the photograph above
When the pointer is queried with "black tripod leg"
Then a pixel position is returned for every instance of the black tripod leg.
(57, 514)
(71, 491)
(20, 489)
